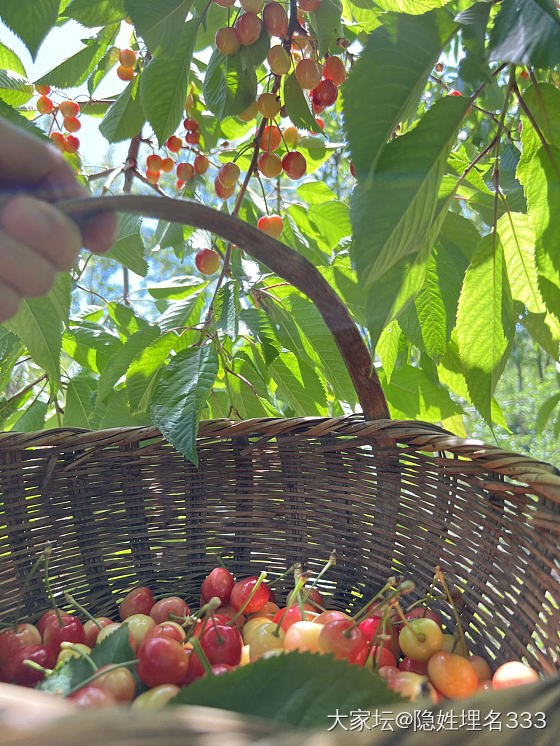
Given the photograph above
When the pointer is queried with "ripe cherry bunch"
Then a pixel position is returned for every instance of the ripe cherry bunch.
(241, 621)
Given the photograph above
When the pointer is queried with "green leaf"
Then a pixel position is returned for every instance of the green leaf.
(431, 313)
(526, 32)
(142, 372)
(300, 689)
(180, 394)
(164, 85)
(228, 88)
(76, 69)
(181, 313)
(96, 12)
(6, 112)
(105, 64)
(10, 61)
(546, 409)
(311, 323)
(388, 348)
(159, 23)
(411, 6)
(125, 118)
(297, 105)
(259, 325)
(31, 20)
(325, 22)
(518, 241)
(299, 385)
(129, 247)
(473, 68)
(393, 81)
(412, 395)
(545, 330)
(332, 222)
(253, 54)
(485, 323)
(226, 309)
(79, 406)
(32, 419)
(115, 648)
(14, 88)
(39, 324)
(315, 192)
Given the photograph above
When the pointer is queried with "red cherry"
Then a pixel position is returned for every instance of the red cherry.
(12, 639)
(92, 630)
(228, 174)
(185, 171)
(248, 28)
(167, 165)
(382, 656)
(125, 73)
(179, 184)
(222, 191)
(43, 90)
(291, 616)
(152, 177)
(192, 138)
(69, 109)
(241, 591)
(171, 630)
(162, 661)
(71, 144)
(295, 166)
(275, 19)
(44, 105)
(219, 668)
(454, 93)
(140, 600)
(308, 73)
(72, 630)
(127, 57)
(226, 40)
(334, 70)
(161, 610)
(222, 644)
(271, 138)
(154, 164)
(201, 164)
(351, 646)
(272, 225)
(230, 612)
(325, 94)
(218, 584)
(15, 672)
(174, 144)
(320, 123)
(309, 5)
(92, 696)
(421, 611)
(353, 170)
(207, 261)
(190, 124)
(419, 667)
(269, 164)
(72, 125)
(195, 669)
(58, 140)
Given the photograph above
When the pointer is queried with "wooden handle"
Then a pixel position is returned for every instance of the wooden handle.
(283, 261)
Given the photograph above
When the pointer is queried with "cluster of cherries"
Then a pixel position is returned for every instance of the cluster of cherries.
(238, 623)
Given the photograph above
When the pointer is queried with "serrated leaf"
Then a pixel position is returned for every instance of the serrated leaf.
(298, 384)
(105, 64)
(181, 312)
(6, 112)
(142, 372)
(412, 395)
(14, 88)
(258, 324)
(10, 61)
(388, 348)
(39, 324)
(125, 118)
(31, 20)
(473, 68)
(394, 81)
(96, 12)
(297, 105)
(32, 419)
(79, 406)
(115, 648)
(526, 32)
(177, 287)
(226, 309)
(326, 24)
(228, 88)
(411, 6)
(76, 69)
(159, 23)
(332, 221)
(129, 247)
(180, 394)
(315, 192)
(431, 313)
(485, 323)
(546, 409)
(518, 241)
(164, 84)
(301, 689)
(545, 331)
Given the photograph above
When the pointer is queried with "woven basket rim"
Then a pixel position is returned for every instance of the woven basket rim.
(539, 475)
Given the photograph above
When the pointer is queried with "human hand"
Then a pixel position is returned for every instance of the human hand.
(36, 239)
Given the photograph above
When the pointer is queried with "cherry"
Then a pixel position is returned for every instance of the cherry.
(72, 630)
(331, 616)
(439, 68)
(318, 109)
(295, 166)
(12, 639)
(241, 591)
(92, 696)
(166, 629)
(72, 125)
(252, 6)
(91, 629)
(452, 675)
(325, 94)
(351, 646)
(513, 673)
(268, 105)
(380, 656)
(275, 19)
(250, 627)
(127, 57)
(291, 136)
(249, 113)
(71, 144)
(222, 644)
(109, 629)
(308, 74)
(207, 262)
(230, 612)
(485, 685)
(419, 667)
(201, 164)
(43, 90)
(524, 74)
(271, 138)
(167, 165)
(14, 671)
(185, 171)
(279, 60)
(162, 661)
(228, 174)
(302, 636)
(269, 164)
(481, 667)
(58, 140)
(118, 681)
(372, 626)
(195, 669)
(312, 596)
(44, 105)
(420, 639)
(227, 41)
(248, 28)
(219, 668)
(309, 5)
(334, 70)
(218, 584)
(156, 698)
(161, 610)
(320, 123)
(272, 225)
(74, 651)
(221, 191)
(192, 138)
(408, 684)
(454, 93)
(179, 184)
(387, 672)
(152, 177)
(174, 144)
(154, 164)
(265, 638)
(190, 124)
(125, 73)
(139, 625)
(420, 612)
(224, 3)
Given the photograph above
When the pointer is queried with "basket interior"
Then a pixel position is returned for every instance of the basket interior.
(124, 508)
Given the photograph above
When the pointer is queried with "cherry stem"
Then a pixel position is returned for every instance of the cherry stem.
(441, 578)
(47, 552)
(85, 612)
(219, 638)
(280, 577)
(419, 636)
(363, 611)
(40, 559)
(260, 579)
(220, 560)
(202, 657)
(98, 673)
(331, 562)
(37, 666)
(71, 646)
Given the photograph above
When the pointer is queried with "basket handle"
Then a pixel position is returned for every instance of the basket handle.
(282, 260)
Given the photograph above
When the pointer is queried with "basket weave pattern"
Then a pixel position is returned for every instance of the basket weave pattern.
(122, 507)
